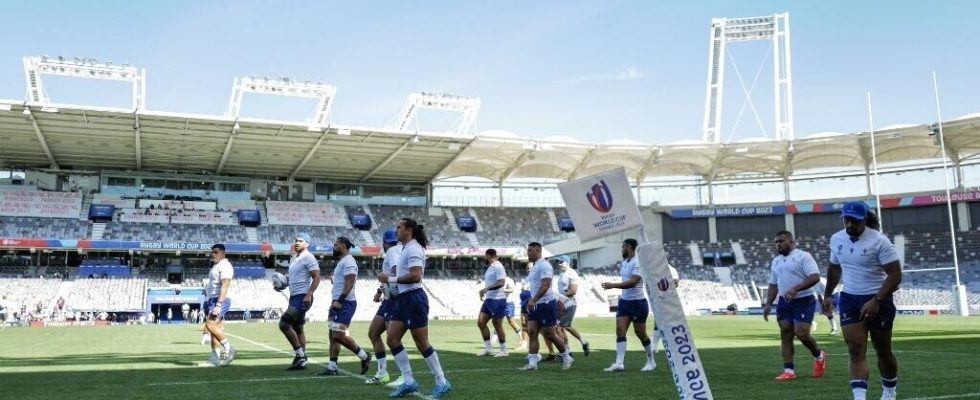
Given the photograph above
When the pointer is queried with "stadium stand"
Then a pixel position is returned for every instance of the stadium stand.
(166, 232)
(109, 294)
(321, 235)
(37, 227)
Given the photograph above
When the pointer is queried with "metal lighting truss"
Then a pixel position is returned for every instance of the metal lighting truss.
(729, 30)
(469, 107)
(284, 87)
(76, 67)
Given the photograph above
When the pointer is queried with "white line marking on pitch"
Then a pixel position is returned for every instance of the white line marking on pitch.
(295, 378)
(949, 396)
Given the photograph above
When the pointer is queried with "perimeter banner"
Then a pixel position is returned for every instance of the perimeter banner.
(682, 354)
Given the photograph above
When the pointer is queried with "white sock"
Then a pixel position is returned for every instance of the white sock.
(503, 347)
(650, 349)
(656, 341)
(433, 361)
(401, 360)
(568, 353)
(583, 341)
(620, 352)
(860, 393)
(299, 352)
(382, 365)
(332, 365)
(216, 351)
(532, 359)
(487, 346)
(362, 355)
(226, 344)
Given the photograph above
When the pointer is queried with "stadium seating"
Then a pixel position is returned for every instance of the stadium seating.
(143, 231)
(47, 228)
(321, 235)
(30, 293)
(109, 294)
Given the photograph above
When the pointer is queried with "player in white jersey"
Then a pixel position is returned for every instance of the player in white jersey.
(411, 311)
(632, 309)
(384, 295)
(510, 288)
(304, 277)
(818, 290)
(543, 309)
(567, 287)
(866, 261)
(793, 274)
(342, 307)
(494, 304)
(217, 304)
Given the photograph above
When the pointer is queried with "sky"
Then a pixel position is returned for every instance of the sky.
(590, 70)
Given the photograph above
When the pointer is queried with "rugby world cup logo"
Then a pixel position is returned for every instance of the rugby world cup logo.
(663, 285)
(600, 198)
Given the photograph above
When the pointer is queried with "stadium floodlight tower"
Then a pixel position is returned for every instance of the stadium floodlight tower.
(76, 67)
(284, 87)
(469, 107)
(730, 30)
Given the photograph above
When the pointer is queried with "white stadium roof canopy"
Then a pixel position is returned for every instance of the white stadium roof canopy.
(98, 138)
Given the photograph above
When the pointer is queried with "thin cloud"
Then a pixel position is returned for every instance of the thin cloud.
(628, 73)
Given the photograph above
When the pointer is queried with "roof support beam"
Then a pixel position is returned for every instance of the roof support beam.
(388, 159)
(231, 139)
(309, 154)
(137, 134)
(518, 163)
(641, 175)
(40, 137)
(453, 160)
(582, 164)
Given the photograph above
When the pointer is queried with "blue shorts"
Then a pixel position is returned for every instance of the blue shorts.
(509, 310)
(799, 310)
(545, 314)
(384, 310)
(212, 302)
(636, 310)
(525, 297)
(344, 314)
(495, 308)
(296, 301)
(850, 311)
(412, 308)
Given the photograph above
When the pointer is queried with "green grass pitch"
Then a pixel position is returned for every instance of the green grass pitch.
(938, 359)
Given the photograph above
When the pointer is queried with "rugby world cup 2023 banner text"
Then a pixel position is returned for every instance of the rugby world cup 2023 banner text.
(603, 204)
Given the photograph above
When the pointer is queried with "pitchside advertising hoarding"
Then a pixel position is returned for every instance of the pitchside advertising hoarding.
(603, 204)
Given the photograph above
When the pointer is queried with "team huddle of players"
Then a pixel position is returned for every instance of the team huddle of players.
(859, 255)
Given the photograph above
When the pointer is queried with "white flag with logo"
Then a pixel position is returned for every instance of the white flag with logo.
(601, 205)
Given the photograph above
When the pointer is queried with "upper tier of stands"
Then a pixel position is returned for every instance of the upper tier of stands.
(37, 227)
